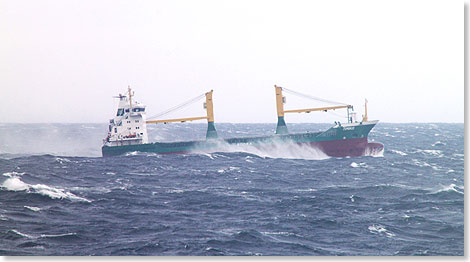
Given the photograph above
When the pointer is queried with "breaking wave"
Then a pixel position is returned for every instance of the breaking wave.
(276, 149)
(451, 188)
(14, 183)
(374, 152)
(251, 200)
(380, 230)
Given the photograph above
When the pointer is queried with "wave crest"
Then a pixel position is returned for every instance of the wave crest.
(274, 149)
(14, 183)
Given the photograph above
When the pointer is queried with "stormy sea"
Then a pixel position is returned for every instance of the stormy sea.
(58, 196)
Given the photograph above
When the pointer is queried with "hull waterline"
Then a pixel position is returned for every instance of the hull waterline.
(338, 141)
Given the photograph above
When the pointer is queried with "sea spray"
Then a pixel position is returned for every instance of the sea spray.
(14, 183)
(272, 149)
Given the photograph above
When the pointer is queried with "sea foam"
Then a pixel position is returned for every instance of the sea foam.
(379, 229)
(273, 149)
(14, 183)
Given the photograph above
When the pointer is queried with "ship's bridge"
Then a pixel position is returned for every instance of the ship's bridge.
(128, 127)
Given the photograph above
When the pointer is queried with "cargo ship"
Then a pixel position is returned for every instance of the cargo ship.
(127, 131)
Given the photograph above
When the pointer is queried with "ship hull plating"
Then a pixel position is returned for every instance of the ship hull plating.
(339, 141)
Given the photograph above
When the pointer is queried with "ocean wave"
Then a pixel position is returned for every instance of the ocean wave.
(379, 229)
(374, 152)
(439, 143)
(255, 205)
(431, 152)
(362, 164)
(398, 152)
(276, 149)
(62, 160)
(35, 209)
(451, 188)
(64, 235)
(14, 183)
(420, 163)
(14, 231)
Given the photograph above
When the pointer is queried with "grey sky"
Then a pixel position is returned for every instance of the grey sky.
(62, 61)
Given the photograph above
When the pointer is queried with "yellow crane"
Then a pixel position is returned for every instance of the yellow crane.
(208, 105)
(209, 109)
(280, 100)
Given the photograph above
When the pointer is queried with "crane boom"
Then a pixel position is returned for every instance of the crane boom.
(308, 110)
(176, 120)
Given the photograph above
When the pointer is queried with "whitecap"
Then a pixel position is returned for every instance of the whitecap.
(362, 164)
(439, 143)
(399, 152)
(56, 193)
(171, 191)
(451, 187)
(35, 209)
(62, 160)
(58, 235)
(379, 229)
(432, 152)
(12, 174)
(420, 163)
(16, 184)
(307, 190)
(134, 153)
(209, 156)
(21, 234)
(280, 233)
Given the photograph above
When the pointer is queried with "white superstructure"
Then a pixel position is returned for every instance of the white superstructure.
(128, 127)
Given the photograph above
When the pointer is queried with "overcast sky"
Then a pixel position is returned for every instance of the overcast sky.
(62, 61)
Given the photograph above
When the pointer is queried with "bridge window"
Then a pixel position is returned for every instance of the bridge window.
(138, 109)
(120, 112)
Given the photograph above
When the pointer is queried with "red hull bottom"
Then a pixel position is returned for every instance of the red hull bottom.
(350, 147)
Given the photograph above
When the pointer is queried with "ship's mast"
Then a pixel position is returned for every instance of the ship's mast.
(364, 119)
(281, 128)
(130, 97)
(279, 101)
(209, 106)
